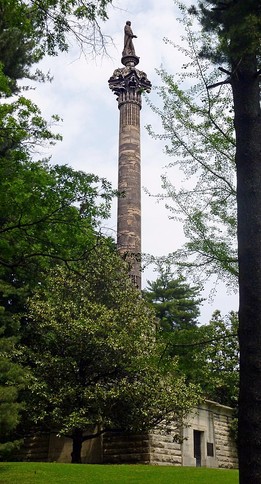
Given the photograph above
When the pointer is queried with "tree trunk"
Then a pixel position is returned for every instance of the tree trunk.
(77, 437)
(246, 94)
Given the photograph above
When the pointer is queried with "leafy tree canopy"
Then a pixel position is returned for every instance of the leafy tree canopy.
(12, 381)
(91, 347)
(39, 27)
(198, 132)
(49, 214)
(209, 355)
(175, 302)
(237, 25)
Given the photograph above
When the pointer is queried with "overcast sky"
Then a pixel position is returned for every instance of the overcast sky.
(80, 94)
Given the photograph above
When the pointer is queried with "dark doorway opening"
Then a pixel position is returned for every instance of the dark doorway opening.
(197, 447)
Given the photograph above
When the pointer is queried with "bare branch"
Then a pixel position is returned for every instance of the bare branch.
(227, 81)
(225, 71)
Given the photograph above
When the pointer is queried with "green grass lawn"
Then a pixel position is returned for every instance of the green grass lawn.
(42, 473)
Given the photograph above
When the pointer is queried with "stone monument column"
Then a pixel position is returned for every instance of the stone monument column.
(128, 83)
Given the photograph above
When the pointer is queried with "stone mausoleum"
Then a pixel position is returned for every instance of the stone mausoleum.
(206, 441)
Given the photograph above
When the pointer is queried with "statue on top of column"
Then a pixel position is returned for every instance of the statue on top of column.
(128, 48)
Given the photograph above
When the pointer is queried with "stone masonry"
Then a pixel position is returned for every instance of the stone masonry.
(210, 420)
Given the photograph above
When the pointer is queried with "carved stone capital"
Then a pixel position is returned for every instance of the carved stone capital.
(128, 79)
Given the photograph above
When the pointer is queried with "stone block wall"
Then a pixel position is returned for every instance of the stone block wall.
(226, 451)
(35, 449)
(210, 421)
(155, 448)
(48, 447)
(119, 448)
(164, 450)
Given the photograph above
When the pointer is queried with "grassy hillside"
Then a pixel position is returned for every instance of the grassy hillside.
(41, 473)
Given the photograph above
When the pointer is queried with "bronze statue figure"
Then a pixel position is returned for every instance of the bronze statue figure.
(128, 43)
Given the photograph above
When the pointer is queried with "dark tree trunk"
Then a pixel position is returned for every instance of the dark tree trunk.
(77, 438)
(246, 95)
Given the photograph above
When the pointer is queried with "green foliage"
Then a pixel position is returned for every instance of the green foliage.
(54, 20)
(237, 25)
(91, 347)
(176, 304)
(48, 214)
(209, 355)
(18, 42)
(12, 380)
(31, 29)
(40, 225)
(22, 130)
(199, 135)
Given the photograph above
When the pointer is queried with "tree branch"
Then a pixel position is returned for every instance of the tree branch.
(225, 71)
(20, 225)
(227, 81)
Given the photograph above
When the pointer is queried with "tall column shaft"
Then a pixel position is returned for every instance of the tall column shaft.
(128, 83)
(129, 186)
